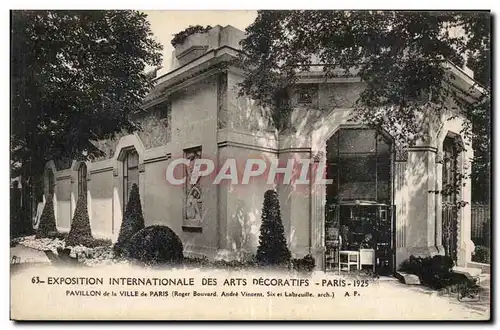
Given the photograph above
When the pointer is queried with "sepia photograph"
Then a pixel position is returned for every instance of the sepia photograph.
(250, 165)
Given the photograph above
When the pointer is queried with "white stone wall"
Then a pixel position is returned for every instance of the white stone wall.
(240, 205)
(207, 112)
(100, 204)
(62, 192)
(415, 172)
(245, 132)
(194, 123)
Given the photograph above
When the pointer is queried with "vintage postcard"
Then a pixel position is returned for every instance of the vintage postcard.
(250, 165)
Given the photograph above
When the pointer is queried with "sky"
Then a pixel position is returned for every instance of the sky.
(165, 23)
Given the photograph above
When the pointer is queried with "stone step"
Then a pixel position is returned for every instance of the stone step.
(410, 279)
(485, 268)
(467, 271)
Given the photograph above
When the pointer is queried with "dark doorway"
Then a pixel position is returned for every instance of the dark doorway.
(359, 210)
(450, 186)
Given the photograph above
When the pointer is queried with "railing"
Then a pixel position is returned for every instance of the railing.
(450, 230)
(480, 224)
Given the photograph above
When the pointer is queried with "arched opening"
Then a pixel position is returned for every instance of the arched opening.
(359, 210)
(82, 180)
(130, 174)
(449, 196)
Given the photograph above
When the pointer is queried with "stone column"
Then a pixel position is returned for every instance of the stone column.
(400, 203)
(465, 244)
(116, 204)
(73, 197)
(142, 187)
(317, 217)
(89, 195)
(439, 203)
(421, 225)
(222, 205)
(295, 203)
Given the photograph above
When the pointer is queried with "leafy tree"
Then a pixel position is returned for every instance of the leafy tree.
(47, 226)
(133, 221)
(80, 232)
(399, 55)
(273, 249)
(481, 122)
(76, 77)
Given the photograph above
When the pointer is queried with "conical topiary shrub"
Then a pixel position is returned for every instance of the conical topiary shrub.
(80, 232)
(47, 226)
(272, 250)
(132, 222)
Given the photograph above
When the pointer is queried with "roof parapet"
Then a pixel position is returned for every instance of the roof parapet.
(197, 44)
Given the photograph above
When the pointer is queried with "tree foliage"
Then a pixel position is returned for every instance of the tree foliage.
(77, 77)
(273, 249)
(400, 56)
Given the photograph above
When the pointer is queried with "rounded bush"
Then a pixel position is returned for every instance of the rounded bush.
(156, 245)
(305, 264)
(481, 254)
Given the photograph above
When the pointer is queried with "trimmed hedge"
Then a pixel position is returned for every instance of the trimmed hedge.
(80, 232)
(434, 272)
(181, 36)
(96, 242)
(156, 245)
(219, 264)
(301, 265)
(481, 254)
(305, 264)
(47, 226)
(133, 222)
(58, 235)
(273, 249)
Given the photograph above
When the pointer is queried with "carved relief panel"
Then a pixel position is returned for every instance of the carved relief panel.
(193, 197)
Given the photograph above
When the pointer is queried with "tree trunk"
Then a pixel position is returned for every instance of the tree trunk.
(26, 227)
(24, 217)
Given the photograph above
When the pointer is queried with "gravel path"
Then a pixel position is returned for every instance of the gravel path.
(384, 299)
(408, 302)
(26, 254)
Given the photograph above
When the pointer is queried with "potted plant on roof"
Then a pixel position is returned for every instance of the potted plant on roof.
(192, 39)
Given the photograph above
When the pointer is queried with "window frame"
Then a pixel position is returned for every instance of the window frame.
(450, 169)
(82, 180)
(311, 90)
(376, 155)
(50, 182)
(126, 169)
